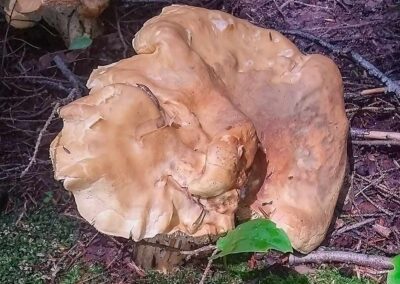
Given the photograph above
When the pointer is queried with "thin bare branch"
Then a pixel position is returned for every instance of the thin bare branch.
(39, 139)
(388, 143)
(184, 252)
(44, 129)
(208, 267)
(68, 73)
(373, 91)
(354, 226)
(373, 134)
(374, 261)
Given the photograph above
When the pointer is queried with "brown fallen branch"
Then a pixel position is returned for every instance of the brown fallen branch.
(373, 134)
(373, 91)
(373, 261)
(391, 86)
(382, 138)
(373, 109)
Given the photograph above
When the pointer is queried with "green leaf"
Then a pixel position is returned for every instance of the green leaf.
(259, 235)
(80, 42)
(394, 275)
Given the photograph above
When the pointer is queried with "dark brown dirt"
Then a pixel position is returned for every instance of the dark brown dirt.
(30, 84)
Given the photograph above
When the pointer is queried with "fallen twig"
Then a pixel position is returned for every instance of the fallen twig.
(208, 267)
(43, 130)
(354, 226)
(199, 250)
(373, 91)
(391, 86)
(372, 134)
(280, 10)
(383, 138)
(387, 212)
(22, 214)
(68, 73)
(39, 139)
(376, 142)
(184, 252)
(373, 109)
(378, 262)
(370, 184)
(381, 186)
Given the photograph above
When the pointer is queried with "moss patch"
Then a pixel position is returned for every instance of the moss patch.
(237, 272)
(262, 276)
(83, 273)
(190, 275)
(27, 246)
(329, 276)
(31, 249)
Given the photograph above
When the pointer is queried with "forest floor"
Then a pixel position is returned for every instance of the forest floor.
(42, 236)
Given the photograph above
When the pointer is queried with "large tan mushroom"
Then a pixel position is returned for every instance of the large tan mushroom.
(166, 140)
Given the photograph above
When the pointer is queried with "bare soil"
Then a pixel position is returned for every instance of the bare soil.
(30, 85)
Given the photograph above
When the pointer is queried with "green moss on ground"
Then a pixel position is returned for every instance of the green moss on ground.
(30, 249)
(329, 276)
(191, 275)
(26, 246)
(81, 273)
(221, 277)
(236, 272)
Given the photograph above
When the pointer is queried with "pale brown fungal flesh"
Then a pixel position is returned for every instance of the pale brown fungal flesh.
(140, 167)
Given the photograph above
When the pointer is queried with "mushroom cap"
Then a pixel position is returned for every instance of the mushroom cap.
(214, 81)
